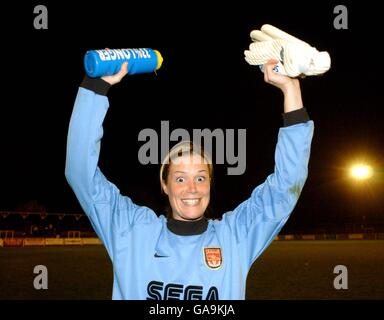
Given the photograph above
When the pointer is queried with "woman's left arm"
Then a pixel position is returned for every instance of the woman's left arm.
(258, 220)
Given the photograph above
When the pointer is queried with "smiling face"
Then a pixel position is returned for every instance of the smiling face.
(188, 187)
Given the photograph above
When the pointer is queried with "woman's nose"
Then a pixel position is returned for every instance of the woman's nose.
(192, 187)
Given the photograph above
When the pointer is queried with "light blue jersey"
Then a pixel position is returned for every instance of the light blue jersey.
(150, 261)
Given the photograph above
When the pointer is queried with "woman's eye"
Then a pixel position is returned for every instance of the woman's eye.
(200, 179)
(180, 179)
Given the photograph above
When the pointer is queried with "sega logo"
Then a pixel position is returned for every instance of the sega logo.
(175, 291)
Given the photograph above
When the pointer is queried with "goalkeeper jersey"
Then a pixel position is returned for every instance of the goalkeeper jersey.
(158, 258)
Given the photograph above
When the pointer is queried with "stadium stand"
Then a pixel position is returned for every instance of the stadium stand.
(41, 228)
(48, 225)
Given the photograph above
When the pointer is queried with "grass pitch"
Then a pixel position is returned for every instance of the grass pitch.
(286, 270)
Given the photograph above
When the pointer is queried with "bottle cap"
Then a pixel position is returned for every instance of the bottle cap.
(159, 59)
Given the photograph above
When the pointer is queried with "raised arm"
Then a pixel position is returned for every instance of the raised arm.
(257, 221)
(109, 212)
(290, 87)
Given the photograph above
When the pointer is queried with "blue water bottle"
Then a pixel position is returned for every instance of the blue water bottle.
(107, 62)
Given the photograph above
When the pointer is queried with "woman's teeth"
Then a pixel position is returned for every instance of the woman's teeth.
(191, 202)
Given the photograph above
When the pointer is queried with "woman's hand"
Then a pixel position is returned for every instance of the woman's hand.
(116, 78)
(289, 86)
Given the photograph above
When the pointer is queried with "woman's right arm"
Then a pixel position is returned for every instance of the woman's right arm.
(109, 212)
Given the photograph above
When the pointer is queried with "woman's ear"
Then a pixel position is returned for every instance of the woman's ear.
(164, 187)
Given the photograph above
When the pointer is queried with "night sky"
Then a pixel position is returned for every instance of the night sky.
(204, 83)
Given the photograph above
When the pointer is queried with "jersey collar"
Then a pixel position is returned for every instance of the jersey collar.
(187, 228)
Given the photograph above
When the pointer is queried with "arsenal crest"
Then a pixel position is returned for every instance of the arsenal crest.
(213, 257)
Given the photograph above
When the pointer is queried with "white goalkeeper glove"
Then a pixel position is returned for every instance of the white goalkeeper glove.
(295, 56)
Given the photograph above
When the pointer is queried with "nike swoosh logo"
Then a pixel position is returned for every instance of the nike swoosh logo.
(156, 255)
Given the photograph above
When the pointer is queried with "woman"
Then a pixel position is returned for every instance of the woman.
(185, 256)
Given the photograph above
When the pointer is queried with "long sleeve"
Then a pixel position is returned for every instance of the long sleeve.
(257, 221)
(109, 212)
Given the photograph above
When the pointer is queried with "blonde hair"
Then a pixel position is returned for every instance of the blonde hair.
(179, 150)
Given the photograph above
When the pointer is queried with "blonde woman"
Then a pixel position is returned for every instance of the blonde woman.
(185, 255)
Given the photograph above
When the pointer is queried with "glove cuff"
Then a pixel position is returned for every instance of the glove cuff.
(96, 85)
(295, 117)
